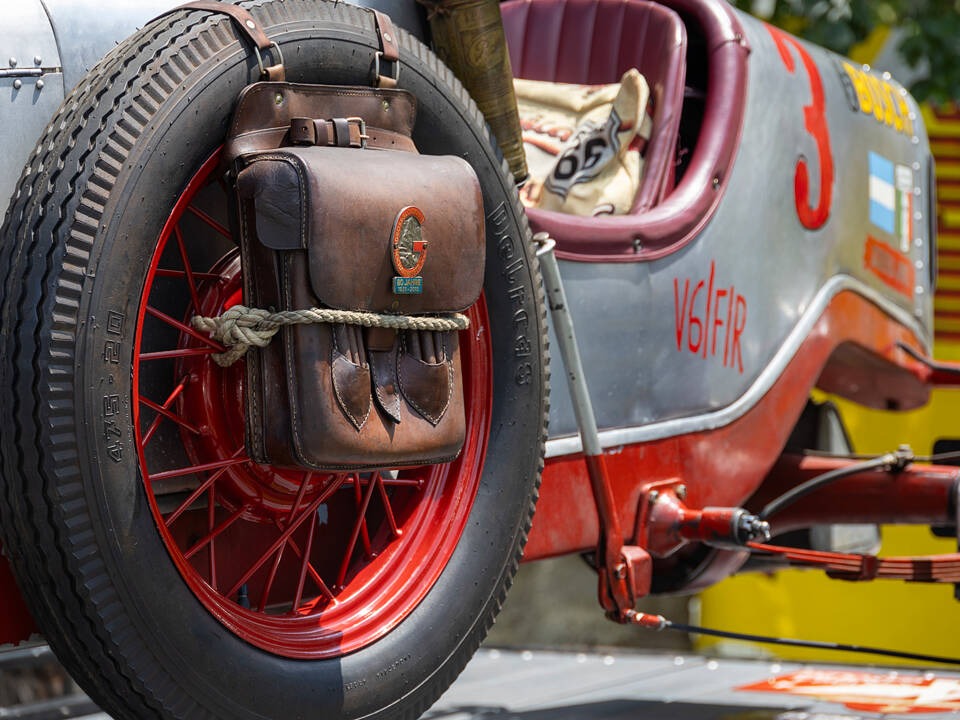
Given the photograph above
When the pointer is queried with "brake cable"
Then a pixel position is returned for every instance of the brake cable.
(937, 568)
(658, 622)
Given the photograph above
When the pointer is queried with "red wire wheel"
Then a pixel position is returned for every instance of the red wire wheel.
(301, 564)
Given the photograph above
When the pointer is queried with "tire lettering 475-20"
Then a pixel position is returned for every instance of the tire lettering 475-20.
(811, 217)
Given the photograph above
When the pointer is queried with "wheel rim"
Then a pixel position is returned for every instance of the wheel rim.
(327, 563)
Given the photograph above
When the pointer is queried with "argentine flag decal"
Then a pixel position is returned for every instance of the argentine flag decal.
(883, 194)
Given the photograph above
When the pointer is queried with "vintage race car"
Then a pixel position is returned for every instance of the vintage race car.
(219, 502)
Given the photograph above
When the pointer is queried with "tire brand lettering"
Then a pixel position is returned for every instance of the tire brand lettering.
(517, 292)
(390, 668)
(110, 404)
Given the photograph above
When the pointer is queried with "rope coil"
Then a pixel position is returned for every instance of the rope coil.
(240, 327)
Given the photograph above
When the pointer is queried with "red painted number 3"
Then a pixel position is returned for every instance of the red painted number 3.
(811, 217)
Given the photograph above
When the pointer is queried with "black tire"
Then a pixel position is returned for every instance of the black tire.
(75, 244)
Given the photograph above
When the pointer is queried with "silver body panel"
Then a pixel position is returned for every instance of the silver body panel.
(643, 387)
(626, 314)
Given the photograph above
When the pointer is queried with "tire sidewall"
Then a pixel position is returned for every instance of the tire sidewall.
(220, 671)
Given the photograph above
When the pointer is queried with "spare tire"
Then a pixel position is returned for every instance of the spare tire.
(173, 576)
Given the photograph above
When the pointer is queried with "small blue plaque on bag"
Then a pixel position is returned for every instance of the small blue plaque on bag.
(408, 286)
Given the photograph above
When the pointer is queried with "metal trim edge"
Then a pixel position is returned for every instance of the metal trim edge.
(614, 437)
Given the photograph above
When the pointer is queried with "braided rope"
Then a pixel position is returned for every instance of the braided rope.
(240, 327)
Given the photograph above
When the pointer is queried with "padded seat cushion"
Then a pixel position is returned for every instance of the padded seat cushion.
(593, 42)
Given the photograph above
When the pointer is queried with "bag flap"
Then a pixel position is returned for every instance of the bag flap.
(261, 120)
(384, 231)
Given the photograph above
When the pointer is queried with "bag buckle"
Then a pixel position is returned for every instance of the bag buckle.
(273, 71)
(363, 130)
(385, 81)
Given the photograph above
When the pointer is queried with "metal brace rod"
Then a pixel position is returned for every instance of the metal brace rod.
(567, 340)
(616, 595)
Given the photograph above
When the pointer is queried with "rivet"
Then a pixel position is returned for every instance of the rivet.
(637, 244)
(37, 60)
(251, 24)
(13, 62)
(716, 182)
(681, 491)
(278, 99)
(17, 84)
(387, 38)
(40, 84)
(919, 264)
(386, 105)
(653, 496)
(918, 289)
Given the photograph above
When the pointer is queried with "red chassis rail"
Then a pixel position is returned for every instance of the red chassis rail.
(854, 350)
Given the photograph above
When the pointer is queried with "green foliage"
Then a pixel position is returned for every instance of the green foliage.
(930, 40)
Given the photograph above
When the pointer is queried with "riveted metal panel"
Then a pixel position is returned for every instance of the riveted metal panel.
(88, 29)
(27, 37)
(32, 89)
(652, 373)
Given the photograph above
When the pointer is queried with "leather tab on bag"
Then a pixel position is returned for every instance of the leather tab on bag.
(351, 377)
(381, 338)
(383, 365)
(389, 51)
(351, 385)
(426, 386)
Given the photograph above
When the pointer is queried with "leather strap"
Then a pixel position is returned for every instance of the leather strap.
(248, 26)
(389, 51)
(387, 35)
(346, 132)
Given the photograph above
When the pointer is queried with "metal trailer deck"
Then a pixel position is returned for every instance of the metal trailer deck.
(551, 685)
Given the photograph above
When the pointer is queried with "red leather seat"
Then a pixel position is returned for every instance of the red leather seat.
(595, 41)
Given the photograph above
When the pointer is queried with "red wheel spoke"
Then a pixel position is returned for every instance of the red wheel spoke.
(211, 222)
(361, 509)
(210, 536)
(166, 403)
(202, 467)
(267, 586)
(314, 575)
(304, 564)
(387, 508)
(286, 534)
(182, 352)
(211, 524)
(187, 268)
(392, 482)
(168, 272)
(169, 415)
(361, 523)
(207, 484)
(185, 328)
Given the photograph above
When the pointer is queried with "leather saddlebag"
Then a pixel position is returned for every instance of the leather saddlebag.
(337, 210)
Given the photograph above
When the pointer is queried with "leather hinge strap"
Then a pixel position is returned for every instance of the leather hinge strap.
(249, 27)
(340, 132)
(389, 51)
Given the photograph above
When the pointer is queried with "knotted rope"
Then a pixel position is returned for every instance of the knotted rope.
(240, 327)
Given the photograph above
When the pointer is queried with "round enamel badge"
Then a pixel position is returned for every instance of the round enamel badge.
(409, 247)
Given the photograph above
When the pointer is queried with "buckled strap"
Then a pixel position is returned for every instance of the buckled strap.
(389, 51)
(342, 132)
(248, 26)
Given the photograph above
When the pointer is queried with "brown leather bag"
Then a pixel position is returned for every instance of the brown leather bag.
(338, 210)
